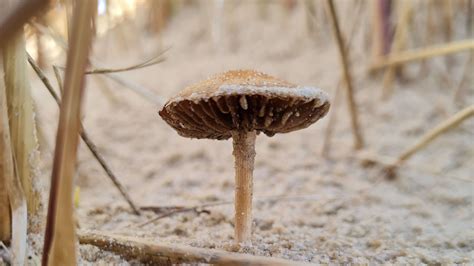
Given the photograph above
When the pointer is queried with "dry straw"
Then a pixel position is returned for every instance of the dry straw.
(59, 245)
(358, 139)
(422, 53)
(5, 167)
(12, 190)
(166, 254)
(338, 93)
(21, 116)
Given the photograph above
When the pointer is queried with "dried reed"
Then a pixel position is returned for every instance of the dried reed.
(59, 244)
(14, 210)
(446, 125)
(428, 137)
(5, 158)
(358, 139)
(418, 54)
(166, 254)
(22, 123)
(338, 94)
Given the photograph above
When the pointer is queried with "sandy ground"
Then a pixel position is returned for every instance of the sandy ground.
(307, 208)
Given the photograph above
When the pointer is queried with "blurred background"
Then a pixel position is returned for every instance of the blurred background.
(317, 198)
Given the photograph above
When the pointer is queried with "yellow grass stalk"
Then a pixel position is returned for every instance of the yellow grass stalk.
(399, 41)
(14, 214)
(167, 254)
(358, 139)
(60, 240)
(5, 217)
(22, 123)
(418, 54)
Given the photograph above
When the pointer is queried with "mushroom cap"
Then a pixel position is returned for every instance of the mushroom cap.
(243, 100)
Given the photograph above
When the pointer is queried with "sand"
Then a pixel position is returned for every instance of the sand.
(307, 208)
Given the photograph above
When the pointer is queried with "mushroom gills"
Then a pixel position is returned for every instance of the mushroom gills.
(217, 115)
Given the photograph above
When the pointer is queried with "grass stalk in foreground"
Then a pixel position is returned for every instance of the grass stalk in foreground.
(5, 218)
(22, 124)
(60, 239)
(13, 204)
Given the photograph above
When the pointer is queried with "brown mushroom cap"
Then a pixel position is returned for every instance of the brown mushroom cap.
(243, 100)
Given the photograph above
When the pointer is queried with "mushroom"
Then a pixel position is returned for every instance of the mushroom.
(240, 104)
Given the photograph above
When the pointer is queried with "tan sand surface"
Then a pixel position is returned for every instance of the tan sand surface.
(307, 208)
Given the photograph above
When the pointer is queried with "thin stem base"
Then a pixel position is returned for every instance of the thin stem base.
(244, 154)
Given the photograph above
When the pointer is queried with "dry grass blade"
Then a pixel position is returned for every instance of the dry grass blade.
(150, 62)
(59, 245)
(145, 93)
(13, 14)
(358, 139)
(84, 136)
(21, 120)
(12, 188)
(5, 219)
(336, 99)
(418, 54)
(166, 254)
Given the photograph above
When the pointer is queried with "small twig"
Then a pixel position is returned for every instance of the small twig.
(85, 137)
(358, 139)
(173, 212)
(161, 209)
(159, 253)
(201, 208)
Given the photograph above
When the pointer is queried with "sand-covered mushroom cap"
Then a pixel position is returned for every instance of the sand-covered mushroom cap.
(243, 100)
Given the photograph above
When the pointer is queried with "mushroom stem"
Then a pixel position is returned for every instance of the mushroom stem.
(244, 154)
